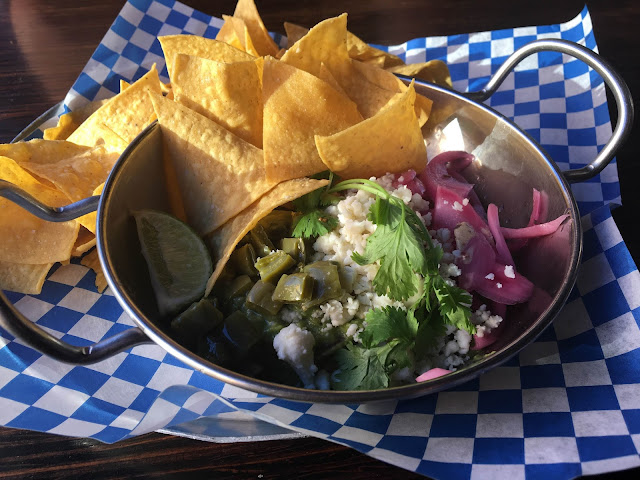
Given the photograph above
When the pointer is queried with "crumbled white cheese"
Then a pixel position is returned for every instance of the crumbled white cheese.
(509, 271)
(295, 346)
(499, 285)
(457, 206)
(490, 276)
(465, 202)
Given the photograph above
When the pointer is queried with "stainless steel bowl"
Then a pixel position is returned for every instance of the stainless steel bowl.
(509, 164)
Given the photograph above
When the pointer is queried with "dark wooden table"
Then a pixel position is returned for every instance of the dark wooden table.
(43, 47)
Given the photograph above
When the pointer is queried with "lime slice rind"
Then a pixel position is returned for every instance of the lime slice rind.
(178, 260)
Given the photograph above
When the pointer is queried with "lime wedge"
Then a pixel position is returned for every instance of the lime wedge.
(178, 260)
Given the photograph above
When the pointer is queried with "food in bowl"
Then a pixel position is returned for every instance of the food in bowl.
(357, 285)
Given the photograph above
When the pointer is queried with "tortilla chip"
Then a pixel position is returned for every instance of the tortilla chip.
(86, 241)
(230, 94)
(356, 48)
(28, 279)
(294, 33)
(124, 85)
(41, 151)
(372, 88)
(200, 47)
(390, 141)
(92, 260)
(247, 11)
(69, 122)
(242, 34)
(434, 71)
(227, 34)
(223, 241)
(360, 50)
(89, 220)
(326, 75)
(78, 176)
(297, 106)
(219, 174)
(325, 43)
(24, 237)
(122, 118)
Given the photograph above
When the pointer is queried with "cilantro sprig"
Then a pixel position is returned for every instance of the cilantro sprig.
(314, 221)
(391, 340)
(409, 260)
(398, 243)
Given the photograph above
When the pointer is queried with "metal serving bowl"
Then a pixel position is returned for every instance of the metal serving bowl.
(509, 164)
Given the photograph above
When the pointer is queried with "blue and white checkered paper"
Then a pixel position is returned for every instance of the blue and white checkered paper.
(569, 404)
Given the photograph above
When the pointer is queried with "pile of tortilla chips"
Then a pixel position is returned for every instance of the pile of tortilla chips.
(244, 124)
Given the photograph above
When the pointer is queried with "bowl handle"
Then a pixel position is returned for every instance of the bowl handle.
(36, 337)
(52, 214)
(618, 87)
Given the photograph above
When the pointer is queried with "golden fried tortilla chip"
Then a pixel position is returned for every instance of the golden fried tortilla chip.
(200, 47)
(356, 48)
(390, 141)
(18, 277)
(92, 261)
(69, 122)
(294, 33)
(41, 151)
(228, 34)
(326, 75)
(325, 43)
(25, 238)
(236, 33)
(89, 220)
(247, 11)
(122, 118)
(371, 88)
(360, 50)
(78, 176)
(230, 94)
(224, 240)
(219, 174)
(434, 71)
(297, 106)
(86, 241)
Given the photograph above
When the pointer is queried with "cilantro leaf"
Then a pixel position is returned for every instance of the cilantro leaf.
(388, 323)
(430, 329)
(314, 221)
(398, 247)
(453, 304)
(314, 224)
(361, 369)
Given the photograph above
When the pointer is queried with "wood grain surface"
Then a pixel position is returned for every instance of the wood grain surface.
(43, 47)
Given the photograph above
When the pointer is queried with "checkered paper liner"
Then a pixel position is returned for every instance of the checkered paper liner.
(569, 404)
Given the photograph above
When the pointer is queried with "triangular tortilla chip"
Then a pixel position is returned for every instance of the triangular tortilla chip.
(124, 116)
(28, 279)
(357, 49)
(324, 43)
(41, 151)
(69, 122)
(78, 176)
(223, 241)
(228, 93)
(219, 174)
(390, 141)
(25, 237)
(200, 47)
(240, 35)
(248, 12)
(92, 260)
(86, 241)
(434, 71)
(297, 106)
